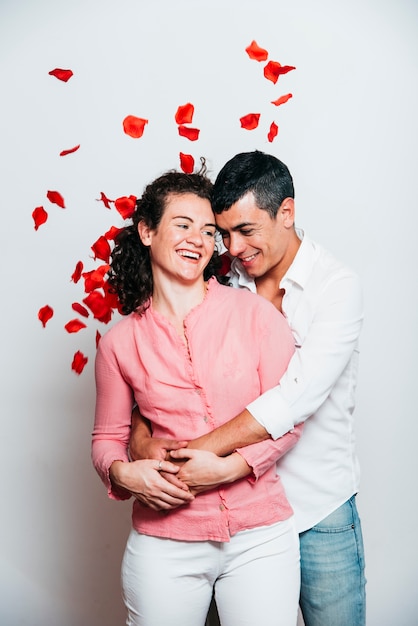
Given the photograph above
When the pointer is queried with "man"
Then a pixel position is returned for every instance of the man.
(254, 205)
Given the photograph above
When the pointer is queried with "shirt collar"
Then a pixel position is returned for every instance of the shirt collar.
(302, 264)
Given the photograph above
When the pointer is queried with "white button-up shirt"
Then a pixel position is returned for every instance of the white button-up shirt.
(323, 305)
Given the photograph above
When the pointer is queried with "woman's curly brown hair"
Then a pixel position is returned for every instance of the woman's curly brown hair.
(130, 274)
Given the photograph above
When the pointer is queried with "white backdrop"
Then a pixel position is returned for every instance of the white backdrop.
(349, 136)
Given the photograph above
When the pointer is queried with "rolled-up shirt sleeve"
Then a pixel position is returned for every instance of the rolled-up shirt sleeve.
(323, 350)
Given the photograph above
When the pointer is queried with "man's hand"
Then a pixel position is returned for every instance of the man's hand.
(143, 480)
(202, 470)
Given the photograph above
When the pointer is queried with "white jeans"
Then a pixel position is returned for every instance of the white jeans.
(255, 576)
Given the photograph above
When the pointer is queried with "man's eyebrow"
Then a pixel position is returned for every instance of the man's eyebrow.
(236, 227)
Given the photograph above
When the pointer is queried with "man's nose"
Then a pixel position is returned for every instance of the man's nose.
(236, 244)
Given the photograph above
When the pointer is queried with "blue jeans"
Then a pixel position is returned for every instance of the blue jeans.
(332, 570)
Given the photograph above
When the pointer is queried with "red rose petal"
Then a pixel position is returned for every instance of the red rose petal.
(63, 75)
(56, 198)
(184, 114)
(79, 308)
(250, 121)
(134, 126)
(98, 337)
(65, 152)
(99, 306)
(39, 216)
(112, 233)
(79, 362)
(125, 206)
(103, 198)
(101, 249)
(186, 163)
(255, 52)
(111, 297)
(274, 129)
(95, 278)
(44, 314)
(73, 326)
(273, 70)
(282, 99)
(189, 133)
(76, 275)
(225, 264)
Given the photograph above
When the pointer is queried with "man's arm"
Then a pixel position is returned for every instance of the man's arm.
(239, 432)
(142, 445)
(327, 347)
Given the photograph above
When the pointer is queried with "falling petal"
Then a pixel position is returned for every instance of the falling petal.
(65, 152)
(186, 163)
(274, 129)
(56, 198)
(189, 133)
(273, 70)
(125, 206)
(79, 308)
(101, 249)
(76, 275)
(95, 278)
(63, 75)
(39, 216)
(282, 99)
(225, 264)
(98, 337)
(134, 126)
(74, 326)
(184, 114)
(255, 52)
(99, 306)
(111, 297)
(45, 314)
(112, 233)
(250, 121)
(103, 198)
(79, 362)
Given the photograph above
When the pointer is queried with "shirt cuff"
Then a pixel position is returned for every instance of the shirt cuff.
(273, 413)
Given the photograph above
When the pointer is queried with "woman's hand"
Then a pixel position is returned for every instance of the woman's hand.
(143, 480)
(202, 470)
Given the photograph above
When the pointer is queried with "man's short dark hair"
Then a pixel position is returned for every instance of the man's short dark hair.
(263, 174)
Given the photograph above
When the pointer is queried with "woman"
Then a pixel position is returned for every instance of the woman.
(192, 353)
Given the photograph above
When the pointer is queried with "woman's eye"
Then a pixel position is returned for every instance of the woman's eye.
(209, 233)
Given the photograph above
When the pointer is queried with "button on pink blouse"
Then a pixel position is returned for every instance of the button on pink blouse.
(238, 346)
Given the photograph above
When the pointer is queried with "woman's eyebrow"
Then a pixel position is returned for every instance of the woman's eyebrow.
(189, 219)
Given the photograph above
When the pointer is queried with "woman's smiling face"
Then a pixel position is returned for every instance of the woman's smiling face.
(184, 242)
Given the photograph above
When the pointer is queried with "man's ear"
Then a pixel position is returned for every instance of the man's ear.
(145, 233)
(287, 212)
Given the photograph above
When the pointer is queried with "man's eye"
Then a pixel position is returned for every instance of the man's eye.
(246, 232)
(224, 235)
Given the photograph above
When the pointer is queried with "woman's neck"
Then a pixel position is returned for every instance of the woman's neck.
(176, 300)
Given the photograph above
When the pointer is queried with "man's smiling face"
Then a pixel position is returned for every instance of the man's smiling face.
(259, 241)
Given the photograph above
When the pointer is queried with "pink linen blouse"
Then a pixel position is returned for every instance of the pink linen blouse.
(238, 346)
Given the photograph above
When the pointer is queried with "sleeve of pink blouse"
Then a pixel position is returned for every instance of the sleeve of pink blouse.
(114, 402)
(276, 344)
